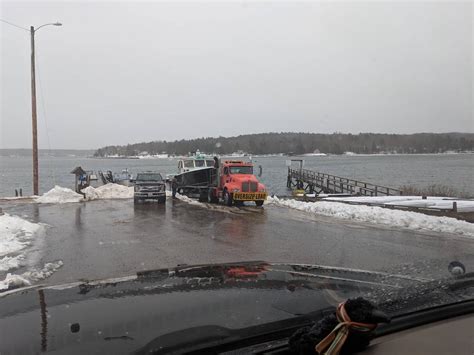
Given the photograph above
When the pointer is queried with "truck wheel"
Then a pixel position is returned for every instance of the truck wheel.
(211, 198)
(202, 196)
(227, 198)
(136, 200)
(259, 203)
(162, 199)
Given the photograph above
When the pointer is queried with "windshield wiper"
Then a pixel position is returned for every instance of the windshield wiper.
(212, 339)
(273, 337)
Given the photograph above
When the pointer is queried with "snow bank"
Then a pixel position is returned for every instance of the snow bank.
(432, 202)
(12, 281)
(185, 199)
(59, 194)
(190, 200)
(108, 191)
(379, 215)
(378, 199)
(15, 235)
(64, 195)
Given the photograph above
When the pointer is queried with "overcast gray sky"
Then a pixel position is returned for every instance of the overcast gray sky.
(127, 72)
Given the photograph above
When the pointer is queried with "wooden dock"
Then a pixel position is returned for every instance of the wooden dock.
(316, 182)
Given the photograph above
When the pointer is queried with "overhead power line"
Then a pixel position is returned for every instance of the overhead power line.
(12, 24)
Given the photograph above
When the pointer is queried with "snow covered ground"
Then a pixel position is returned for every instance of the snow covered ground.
(16, 236)
(379, 215)
(60, 194)
(410, 201)
(186, 199)
(108, 191)
(30, 276)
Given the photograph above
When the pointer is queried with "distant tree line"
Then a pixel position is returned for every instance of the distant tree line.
(301, 143)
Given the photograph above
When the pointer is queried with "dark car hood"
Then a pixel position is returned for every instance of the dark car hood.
(123, 315)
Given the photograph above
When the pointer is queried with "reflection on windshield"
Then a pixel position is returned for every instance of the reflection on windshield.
(149, 177)
(241, 170)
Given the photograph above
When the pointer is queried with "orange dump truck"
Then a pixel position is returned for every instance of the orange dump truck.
(231, 181)
(237, 183)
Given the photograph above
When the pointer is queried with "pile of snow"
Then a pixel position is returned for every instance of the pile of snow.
(377, 199)
(108, 191)
(60, 194)
(12, 281)
(379, 215)
(431, 202)
(15, 235)
(186, 199)
(190, 200)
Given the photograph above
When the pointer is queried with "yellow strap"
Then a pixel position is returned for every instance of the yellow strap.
(334, 341)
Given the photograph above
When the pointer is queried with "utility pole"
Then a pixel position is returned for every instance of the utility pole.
(33, 106)
(33, 114)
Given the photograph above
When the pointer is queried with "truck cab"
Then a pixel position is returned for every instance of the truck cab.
(237, 183)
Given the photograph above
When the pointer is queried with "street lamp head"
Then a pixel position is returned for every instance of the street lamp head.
(57, 24)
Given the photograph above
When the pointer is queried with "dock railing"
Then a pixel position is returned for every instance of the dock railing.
(335, 184)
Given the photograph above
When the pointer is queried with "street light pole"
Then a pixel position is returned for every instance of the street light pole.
(33, 107)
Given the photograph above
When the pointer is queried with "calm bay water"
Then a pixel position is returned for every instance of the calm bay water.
(456, 170)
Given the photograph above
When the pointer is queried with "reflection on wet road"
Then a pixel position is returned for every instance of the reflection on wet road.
(112, 238)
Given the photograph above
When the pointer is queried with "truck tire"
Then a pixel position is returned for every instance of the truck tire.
(136, 200)
(227, 198)
(259, 202)
(203, 196)
(162, 199)
(211, 198)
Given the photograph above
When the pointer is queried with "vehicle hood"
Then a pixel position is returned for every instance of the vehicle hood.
(138, 182)
(124, 314)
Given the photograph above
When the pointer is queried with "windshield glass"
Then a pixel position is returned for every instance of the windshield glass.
(143, 141)
(149, 177)
(189, 163)
(241, 170)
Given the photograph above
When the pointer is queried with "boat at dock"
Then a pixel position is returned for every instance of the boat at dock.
(197, 161)
(195, 170)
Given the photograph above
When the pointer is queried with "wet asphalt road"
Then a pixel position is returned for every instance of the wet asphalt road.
(112, 238)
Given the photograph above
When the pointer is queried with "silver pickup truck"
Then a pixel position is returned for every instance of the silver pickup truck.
(149, 185)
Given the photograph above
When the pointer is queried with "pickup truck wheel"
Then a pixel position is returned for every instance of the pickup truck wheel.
(227, 198)
(136, 200)
(259, 203)
(162, 199)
